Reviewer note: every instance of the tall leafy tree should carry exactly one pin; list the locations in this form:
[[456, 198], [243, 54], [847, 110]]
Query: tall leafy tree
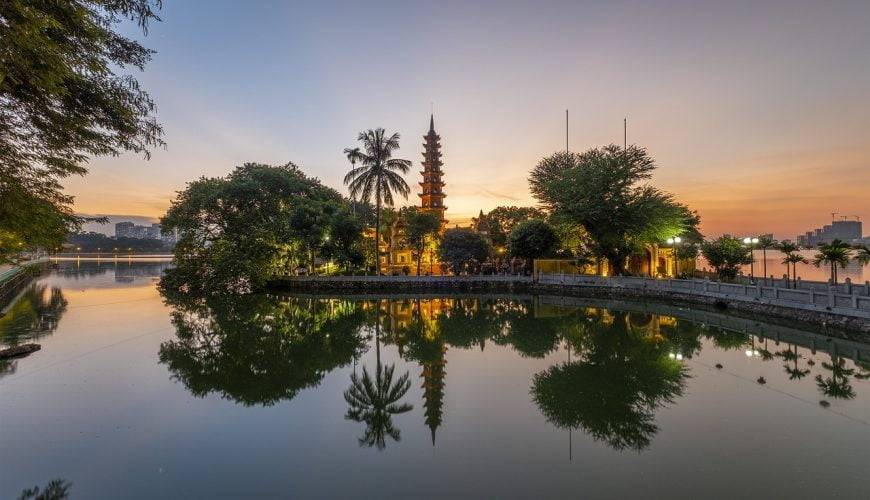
[[379, 174], [834, 254], [420, 227], [603, 191], [239, 231], [63, 101]]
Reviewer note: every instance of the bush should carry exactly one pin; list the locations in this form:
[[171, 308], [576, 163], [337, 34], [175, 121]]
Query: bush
[[726, 254]]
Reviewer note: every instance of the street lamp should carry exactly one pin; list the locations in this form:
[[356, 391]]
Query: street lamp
[[751, 242], [673, 242]]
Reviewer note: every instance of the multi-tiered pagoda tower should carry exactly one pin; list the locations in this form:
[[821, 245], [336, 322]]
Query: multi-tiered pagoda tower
[[432, 196]]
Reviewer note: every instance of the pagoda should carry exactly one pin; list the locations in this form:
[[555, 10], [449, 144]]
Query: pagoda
[[432, 196]]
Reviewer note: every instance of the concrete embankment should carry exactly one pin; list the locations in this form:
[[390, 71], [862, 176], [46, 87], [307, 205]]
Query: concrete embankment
[[708, 295]]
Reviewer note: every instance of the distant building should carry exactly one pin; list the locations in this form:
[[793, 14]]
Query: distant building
[[124, 229], [845, 230], [129, 230]]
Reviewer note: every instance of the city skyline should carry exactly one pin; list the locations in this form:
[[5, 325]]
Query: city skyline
[[756, 114]]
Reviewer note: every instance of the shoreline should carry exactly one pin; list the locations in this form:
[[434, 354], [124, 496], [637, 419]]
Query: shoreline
[[846, 325]]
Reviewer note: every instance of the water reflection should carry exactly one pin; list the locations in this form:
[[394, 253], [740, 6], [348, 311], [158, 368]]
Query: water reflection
[[620, 367], [258, 351], [56, 489], [611, 392], [35, 313]]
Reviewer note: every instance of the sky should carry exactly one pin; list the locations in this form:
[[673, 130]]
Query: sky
[[757, 112]]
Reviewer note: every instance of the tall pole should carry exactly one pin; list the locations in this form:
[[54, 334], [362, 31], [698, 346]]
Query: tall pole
[[566, 137], [625, 133]]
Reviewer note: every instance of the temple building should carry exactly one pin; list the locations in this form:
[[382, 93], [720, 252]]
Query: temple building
[[432, 195], [396, 257]]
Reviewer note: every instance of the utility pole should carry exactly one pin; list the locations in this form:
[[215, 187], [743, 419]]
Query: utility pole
[[566, 135], [625, 133]]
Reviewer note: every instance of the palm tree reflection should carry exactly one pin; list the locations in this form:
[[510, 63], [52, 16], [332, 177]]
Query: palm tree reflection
[[837, 385], [374, 402]]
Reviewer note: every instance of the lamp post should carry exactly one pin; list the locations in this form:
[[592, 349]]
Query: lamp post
[[751, 242], [673, 242]]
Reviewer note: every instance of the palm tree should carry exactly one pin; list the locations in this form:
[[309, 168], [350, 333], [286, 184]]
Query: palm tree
[[378, 175], [765, 242], [862, 254], [791, 257], [835, 253], [352, 155]]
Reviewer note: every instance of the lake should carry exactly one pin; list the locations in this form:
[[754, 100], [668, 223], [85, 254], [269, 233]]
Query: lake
[[137, 395]]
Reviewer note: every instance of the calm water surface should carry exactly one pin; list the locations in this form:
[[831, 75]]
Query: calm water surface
[[134, 395]]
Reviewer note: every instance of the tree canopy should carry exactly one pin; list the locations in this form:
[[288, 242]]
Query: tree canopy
[[62, 102], [498, 223], [237, 232], [532, 239], [420, 226], [602, 191], [463, 249], [726, 254]]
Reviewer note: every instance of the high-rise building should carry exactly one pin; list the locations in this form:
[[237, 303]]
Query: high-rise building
[[845, 230], [129, 230], [124, 229], [432, 195]]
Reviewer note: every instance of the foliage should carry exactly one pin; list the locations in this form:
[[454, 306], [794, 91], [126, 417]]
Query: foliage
[[835, 253], [498, 223], [61, 102], [420, 227], [532, 239], [463, 249], [235, 233], [600, 191], [98, 242], [379, 174], [862, 255], [726, 254], [257, 351], [28, 221]]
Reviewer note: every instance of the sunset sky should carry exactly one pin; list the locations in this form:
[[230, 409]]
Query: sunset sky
[[758, 113]]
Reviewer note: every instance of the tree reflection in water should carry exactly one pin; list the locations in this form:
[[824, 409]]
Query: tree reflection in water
[[374, 402], [256, 350], [837, 385], [35, 314], [622, 367], [613, 390], [56, 489]]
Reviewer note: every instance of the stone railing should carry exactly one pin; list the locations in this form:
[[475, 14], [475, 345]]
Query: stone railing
[[410, 279], [832, 300]]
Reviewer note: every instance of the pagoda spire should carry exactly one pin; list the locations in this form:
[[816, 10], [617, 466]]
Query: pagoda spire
[[432, 188]]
